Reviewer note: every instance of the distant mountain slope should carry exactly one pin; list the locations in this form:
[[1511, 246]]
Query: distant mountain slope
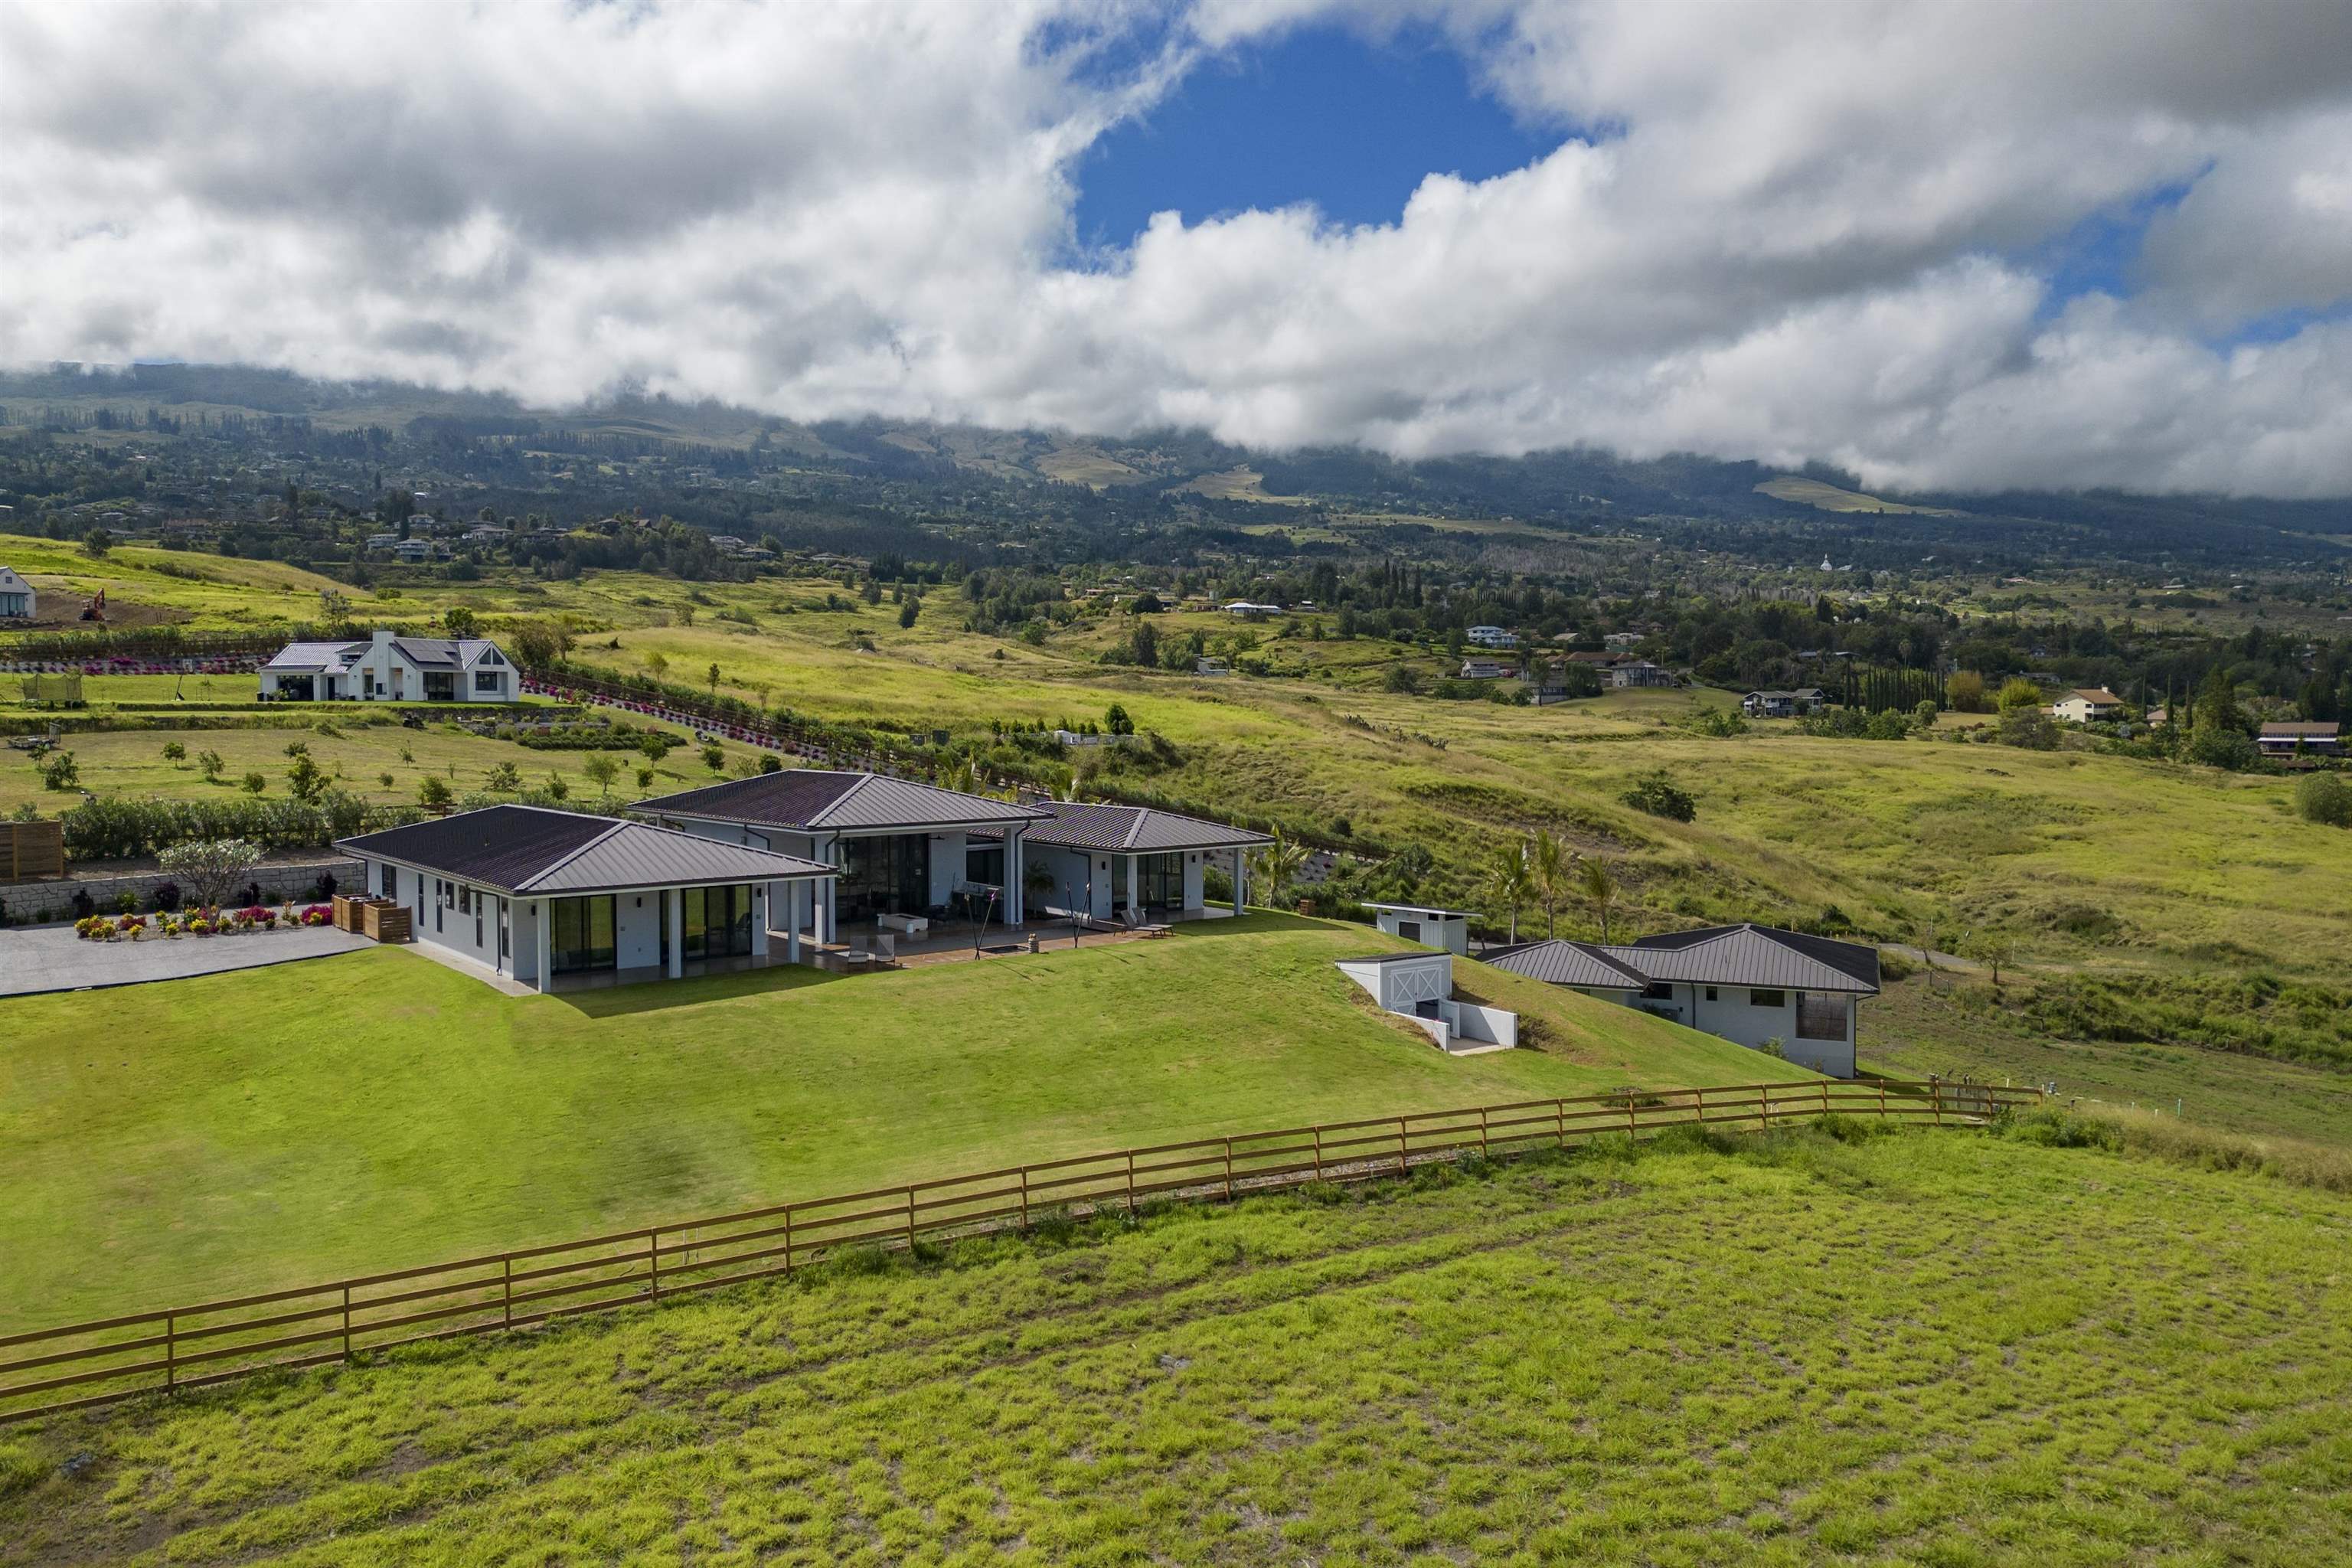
[[1575, 488]]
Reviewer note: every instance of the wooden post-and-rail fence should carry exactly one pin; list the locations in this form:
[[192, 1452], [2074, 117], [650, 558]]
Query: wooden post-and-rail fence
[[51, 1370]]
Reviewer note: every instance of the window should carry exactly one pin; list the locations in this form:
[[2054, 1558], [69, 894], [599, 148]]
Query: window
[[465, 899], [984, 866], [1659, 991], [1409, 930], [1710, 992], [1820, 1017], [718, 922], [489, 681], [1768, 998]]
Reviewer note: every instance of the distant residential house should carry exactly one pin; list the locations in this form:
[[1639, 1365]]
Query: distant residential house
[[383, 540], [2082, 707], [1246, 607], [1206, 664], [414, 551], [2156, 716], [486, 533], [725, 543], [1492, 636], [389, 668], [2286, 740], [1622, 642], [1783, 704], [1756, 985], [1640, 672], [16, 597], [1485, 669]]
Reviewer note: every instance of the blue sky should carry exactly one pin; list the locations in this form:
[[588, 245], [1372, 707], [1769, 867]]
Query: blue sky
[[1319, 115]]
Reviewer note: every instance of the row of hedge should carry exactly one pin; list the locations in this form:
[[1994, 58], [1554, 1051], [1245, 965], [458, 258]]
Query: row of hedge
[[114, 828]]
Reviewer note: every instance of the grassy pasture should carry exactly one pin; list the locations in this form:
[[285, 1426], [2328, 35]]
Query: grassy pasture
[[1934, 1349], [205, 1137]]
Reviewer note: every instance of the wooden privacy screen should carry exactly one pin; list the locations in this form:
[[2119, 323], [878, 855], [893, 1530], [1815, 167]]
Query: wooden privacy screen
[[31, 850], [189, 1347]]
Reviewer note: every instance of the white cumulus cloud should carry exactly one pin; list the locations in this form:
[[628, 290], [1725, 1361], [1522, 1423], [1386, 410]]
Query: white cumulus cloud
[[1774, 230]]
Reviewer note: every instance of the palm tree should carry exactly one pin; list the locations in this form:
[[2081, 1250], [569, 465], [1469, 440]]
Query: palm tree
[[1508, 884], [1278, 865], [1548, 870], [1593, 880]]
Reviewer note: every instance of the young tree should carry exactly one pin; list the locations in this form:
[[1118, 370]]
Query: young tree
[[306, 780], [503, 779], [433, 793], [1116, 722], [602, 770], [209, 867], [711, 675], [1278, 865], [61, 771], [2019, 693], [210, 764], [174, 753], [655, 663], [1594, 881], [909, 611], [1547, 861], [458, 621], [1509, 885]]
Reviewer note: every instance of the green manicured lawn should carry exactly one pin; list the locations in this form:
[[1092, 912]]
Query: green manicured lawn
[[199, 1138], [1935, 1349]]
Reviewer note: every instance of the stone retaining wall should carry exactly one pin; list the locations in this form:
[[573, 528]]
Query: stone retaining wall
[[50, 902]]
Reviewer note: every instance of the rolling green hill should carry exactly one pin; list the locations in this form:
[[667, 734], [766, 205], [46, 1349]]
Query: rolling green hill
[[1932, 1349]]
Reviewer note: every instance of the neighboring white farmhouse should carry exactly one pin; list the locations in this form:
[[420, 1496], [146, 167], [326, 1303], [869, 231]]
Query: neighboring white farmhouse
[[1746, 983], [1492, 636], [1485, 669], [15, 596], [1420, 987], [2080, 706], [389, 668]]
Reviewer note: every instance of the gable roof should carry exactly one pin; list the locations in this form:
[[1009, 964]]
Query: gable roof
[[2101, 695], [1568, 963], [527, 850], [1134, 829], [803, 799], [13, 584], [1751, 954], [2289, 730], [424, 653]]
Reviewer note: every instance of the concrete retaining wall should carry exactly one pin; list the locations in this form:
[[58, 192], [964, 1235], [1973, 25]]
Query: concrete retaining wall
[[43, 903]]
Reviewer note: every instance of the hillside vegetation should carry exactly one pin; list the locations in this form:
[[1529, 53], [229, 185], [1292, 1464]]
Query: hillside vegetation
[[176, 1142], [1936, 1349]]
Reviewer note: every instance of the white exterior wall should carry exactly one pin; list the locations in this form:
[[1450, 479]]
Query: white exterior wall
[[1734, 1017], [947, 864], [1452, 935], [636, 928], [1196, 862]]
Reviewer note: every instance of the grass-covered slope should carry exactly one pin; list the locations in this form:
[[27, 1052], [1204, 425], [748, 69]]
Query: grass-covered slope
[[178, 1142], [1934, 1348]]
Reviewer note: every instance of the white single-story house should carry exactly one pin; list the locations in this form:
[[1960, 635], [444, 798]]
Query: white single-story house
[[1250, 607], [389, 668], [898, 847], [1420, 987], [1492, 636], [2080, 706], [1448, 928], [1485, 669], [1750, 984], [538, 895], [2288, 739], [1131, 862], [1783, 704], [16, 597]]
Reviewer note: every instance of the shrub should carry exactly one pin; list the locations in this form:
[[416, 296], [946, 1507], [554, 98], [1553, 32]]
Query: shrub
[[174, 752], [60, 771], [127, 902], [770, 763], [432, 791], [2218, 747], [1657, 793], [255, 784], [713, 757], [2324, 799], [210, 867], [2028, 728]]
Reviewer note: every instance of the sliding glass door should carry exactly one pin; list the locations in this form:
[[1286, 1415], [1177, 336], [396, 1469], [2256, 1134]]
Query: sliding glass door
[[718, 922], [580, 936]]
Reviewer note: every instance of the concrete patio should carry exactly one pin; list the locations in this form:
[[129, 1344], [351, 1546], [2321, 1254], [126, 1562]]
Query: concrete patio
[[51, 958]]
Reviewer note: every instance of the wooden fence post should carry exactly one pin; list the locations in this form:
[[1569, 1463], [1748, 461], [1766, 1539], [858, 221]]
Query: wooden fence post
[[788, 1239], [1130, 1181], [910, 1219], [1482, 1132], [1318, 1152], [171, 1351], [508, 1259], [1229, 1167], [347, 1322], [1560, 1121], [1024, 1197], [653, 1262], [1399, 1145]]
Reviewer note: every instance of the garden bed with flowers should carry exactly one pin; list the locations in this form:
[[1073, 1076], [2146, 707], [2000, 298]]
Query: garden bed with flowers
[[201, 922]]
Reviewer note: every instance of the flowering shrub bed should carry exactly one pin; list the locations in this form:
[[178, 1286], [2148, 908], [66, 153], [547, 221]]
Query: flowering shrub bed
[[201, 922]]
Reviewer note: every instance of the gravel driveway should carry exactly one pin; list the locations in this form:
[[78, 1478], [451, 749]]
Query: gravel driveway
[[51, 958]]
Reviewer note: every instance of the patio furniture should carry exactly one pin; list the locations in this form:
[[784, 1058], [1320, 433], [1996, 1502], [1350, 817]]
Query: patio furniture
[[908, 925]]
